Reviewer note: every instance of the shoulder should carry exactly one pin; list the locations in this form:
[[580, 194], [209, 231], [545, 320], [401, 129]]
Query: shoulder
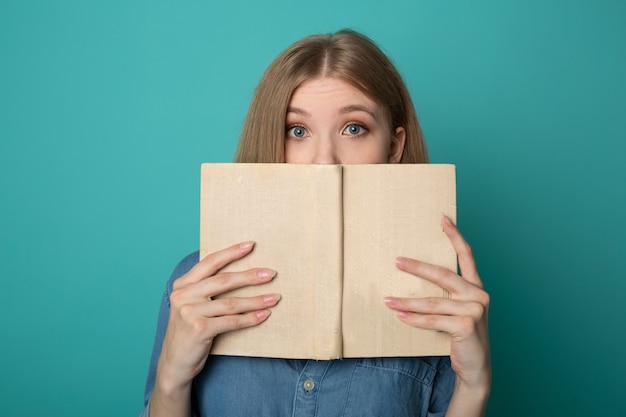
[[186, 264], [183, 267]]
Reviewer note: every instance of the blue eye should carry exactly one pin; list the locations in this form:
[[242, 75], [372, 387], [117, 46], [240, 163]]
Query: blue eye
[[354, 130], [297, 132]]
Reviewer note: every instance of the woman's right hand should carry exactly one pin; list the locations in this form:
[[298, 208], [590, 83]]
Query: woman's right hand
[[196, 317]]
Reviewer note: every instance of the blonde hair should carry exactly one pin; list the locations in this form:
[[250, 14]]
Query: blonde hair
[[347, 55]]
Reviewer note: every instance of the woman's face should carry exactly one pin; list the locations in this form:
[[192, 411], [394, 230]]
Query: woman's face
[[331, 122]]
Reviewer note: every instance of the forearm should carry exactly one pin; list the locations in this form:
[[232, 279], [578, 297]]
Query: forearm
[[468, 401]]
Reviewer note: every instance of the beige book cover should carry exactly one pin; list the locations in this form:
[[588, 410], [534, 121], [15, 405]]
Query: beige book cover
[[332, 233]]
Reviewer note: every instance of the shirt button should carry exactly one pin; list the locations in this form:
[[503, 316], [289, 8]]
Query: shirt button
[[308, 385]]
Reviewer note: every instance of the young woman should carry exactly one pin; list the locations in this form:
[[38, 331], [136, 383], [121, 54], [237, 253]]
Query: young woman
[[327, 99]]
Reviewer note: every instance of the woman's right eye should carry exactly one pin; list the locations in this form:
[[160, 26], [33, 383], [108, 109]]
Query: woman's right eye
[[297, 132]]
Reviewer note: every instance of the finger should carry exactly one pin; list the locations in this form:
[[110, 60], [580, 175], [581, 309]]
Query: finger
[[438, 275], [213, 262], [455, 326], [437, 306], [228, 281], [464, 252], [229, 306], [219, 284], [225, 324]]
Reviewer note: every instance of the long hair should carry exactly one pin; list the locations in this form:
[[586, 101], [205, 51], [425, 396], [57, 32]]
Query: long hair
[[346, 55]]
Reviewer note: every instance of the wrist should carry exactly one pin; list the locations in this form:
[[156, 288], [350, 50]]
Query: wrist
[[170, 389], [470, 399], [477, 390], [169, 381], [479, 383]]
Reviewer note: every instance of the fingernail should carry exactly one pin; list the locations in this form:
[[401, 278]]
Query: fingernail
[[246, 245], [262, 314], [402, 261], [403, 314], [271, 298], [265, 274], [390, 301], [447, 220]]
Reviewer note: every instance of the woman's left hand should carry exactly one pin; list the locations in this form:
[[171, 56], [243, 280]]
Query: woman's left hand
[[463, 316]]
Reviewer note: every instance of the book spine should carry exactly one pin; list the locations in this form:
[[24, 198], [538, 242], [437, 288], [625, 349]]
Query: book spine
[[328, 259]]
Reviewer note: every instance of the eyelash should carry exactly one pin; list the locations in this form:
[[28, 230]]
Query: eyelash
[[363, 131], [290, 127]]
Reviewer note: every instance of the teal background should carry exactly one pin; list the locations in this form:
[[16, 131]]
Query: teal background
[[108, 108]]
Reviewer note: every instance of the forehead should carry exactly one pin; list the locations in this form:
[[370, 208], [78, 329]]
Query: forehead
[[330, 90]]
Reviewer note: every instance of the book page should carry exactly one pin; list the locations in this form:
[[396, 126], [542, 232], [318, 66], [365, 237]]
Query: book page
[[391, 211], [293, 213]]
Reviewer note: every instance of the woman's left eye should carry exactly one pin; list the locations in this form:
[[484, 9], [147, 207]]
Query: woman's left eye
[[354, 130]]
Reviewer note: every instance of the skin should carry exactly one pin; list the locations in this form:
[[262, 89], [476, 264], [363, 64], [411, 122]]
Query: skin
[[331, 122], [328, 122]]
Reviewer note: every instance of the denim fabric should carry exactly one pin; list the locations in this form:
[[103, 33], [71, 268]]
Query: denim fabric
[[246, 386]]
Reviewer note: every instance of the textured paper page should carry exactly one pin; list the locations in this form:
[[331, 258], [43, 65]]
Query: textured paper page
[[391, 211], [293, 213]]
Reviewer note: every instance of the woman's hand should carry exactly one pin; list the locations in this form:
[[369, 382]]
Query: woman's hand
[[196, 318], [463, 316]]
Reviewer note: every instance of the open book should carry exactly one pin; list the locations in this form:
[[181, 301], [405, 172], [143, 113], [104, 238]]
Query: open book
[[332, 233]]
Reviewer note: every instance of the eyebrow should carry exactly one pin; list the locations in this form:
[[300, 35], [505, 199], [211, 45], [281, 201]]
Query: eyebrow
[[343, 110], [357, 107], [298, 111]]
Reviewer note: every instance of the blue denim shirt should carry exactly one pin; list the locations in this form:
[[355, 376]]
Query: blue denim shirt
[[247, 386]]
